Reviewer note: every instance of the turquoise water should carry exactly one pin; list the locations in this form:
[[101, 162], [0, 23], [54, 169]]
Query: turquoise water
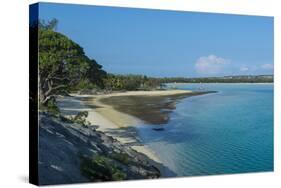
[[226, 132]]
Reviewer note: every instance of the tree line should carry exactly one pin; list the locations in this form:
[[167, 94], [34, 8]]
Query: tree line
[[224, 79]]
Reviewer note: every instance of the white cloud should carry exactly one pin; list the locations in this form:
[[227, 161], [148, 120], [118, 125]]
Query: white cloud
[[267, 66], [244, 69], [211, 65]]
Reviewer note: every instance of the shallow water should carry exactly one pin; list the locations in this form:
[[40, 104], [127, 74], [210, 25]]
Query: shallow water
[[226, 132]]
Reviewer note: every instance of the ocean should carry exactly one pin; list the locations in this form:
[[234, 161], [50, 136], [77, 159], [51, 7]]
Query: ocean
[[230, 131]]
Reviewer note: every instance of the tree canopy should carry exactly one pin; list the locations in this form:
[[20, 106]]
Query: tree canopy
[[63, 64]]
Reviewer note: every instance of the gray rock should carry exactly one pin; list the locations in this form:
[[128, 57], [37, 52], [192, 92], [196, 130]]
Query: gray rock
[[62, 145]]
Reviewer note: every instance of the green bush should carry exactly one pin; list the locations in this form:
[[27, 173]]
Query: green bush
[[101, 168], [121, 157], [51, 107], [80, 118]]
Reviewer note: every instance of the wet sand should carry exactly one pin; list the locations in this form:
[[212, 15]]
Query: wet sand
[[151, 109]]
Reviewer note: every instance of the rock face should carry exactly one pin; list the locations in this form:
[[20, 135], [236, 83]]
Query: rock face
[[74, 153]]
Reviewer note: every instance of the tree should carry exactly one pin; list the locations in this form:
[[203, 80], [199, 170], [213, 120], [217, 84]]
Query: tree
[[62, 64], [95, 74], [51, 25]]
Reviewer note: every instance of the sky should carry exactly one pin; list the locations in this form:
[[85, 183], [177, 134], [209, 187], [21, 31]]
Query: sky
[[163, 43]]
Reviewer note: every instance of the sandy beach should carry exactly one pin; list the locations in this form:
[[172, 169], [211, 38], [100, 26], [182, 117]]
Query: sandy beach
[[111, 121], [122, 117]]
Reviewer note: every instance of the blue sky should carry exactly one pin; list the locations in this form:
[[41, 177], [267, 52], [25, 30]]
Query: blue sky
[[167, 43]]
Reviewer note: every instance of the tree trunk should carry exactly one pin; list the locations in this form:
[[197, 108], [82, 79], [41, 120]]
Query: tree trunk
[[42, 97]]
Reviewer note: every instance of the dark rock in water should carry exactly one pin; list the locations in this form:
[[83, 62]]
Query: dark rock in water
[[159, 129], [71, 153]]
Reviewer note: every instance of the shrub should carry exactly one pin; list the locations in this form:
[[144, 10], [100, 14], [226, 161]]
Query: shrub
[[101, 168], [121, 157], [80, 118], [51, 107]]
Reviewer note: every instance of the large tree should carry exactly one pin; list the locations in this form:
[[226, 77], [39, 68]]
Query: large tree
[[62, 64]]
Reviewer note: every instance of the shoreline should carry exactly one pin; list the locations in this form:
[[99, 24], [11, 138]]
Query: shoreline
[[122, 118], [119, 125], [98, 117], [151, 107], [116, 123]]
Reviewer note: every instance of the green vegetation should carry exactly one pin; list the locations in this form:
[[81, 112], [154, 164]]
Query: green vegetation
[[224, 79], [130, 82], [101, 168], [80, 118], [121, 157], [142, 82], [63, 65], [51, 107]]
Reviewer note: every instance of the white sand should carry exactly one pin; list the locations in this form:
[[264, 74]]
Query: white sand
[[119, 119], [148, 93]]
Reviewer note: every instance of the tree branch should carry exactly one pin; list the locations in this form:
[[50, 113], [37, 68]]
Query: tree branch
[[48, 98], [52, 89]]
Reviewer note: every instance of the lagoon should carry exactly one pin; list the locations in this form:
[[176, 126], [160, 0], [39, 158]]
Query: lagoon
[[230, 131]]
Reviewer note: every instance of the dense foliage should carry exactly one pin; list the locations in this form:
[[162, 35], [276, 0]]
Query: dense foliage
[[141, 82], [131, 82], [63, 65], [101, 168]]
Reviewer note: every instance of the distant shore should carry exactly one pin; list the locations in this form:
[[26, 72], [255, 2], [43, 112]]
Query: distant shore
[[221, 83]]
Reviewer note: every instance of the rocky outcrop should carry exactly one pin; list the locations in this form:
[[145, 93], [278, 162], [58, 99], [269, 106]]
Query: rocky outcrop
[[75, 153]]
